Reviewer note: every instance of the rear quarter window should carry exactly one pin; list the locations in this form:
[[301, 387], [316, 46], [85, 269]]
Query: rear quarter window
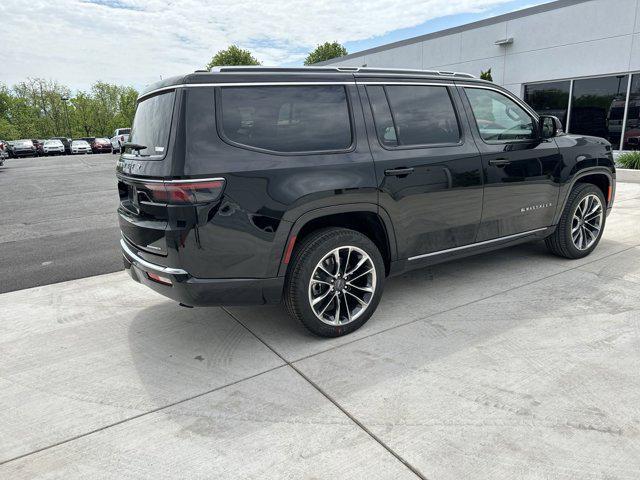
[[286, 119], [152, 123]]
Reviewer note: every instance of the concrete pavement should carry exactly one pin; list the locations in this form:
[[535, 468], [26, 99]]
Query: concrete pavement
[[516, 364]]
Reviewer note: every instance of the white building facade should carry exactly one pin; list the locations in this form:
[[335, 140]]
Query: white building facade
[[577, 59]]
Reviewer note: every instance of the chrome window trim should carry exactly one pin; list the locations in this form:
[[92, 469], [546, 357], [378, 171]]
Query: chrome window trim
[[356, 81], [149, 265], [239, 84], [404, 82], [478, 244]]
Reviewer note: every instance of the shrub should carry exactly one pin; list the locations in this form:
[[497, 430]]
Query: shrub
[[630, 160]]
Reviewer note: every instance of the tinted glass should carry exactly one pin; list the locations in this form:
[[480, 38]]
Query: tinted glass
[[498, 117], [598, 107], [549, 99], [152, 123], [423, 115], [632, 130], [287, 119], [382, 116]]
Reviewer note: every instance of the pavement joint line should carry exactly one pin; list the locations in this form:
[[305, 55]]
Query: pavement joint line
[[134, 417], [357, 422], [421, 319]]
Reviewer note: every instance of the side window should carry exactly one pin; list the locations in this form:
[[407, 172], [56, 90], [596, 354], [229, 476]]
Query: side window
[[287, 119], [498, 117], [385, 128], [423, 115]]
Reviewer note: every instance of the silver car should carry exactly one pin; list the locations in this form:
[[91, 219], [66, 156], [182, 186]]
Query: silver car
[[80, 146]]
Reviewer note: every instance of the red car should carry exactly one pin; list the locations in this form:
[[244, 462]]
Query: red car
[[101, 145]]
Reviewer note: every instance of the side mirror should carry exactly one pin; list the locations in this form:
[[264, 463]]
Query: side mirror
[[550, 126]]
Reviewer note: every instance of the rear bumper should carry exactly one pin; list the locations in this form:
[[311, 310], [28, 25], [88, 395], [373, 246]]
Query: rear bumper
[[202, 292]]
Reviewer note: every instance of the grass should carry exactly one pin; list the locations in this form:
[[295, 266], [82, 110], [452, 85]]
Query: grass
[[630, 160]]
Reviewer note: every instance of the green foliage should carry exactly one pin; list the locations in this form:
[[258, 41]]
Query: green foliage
[[233, 55], [630, 160], [35, 109], [326, 51], [486, 75]]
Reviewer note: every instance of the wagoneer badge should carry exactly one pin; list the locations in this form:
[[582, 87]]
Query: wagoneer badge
[[535, 207]]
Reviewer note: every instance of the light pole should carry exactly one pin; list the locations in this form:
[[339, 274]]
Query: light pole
[[65, 99]]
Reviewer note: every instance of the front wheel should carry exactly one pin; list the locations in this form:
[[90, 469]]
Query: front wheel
[[582, 223], [335, 281]]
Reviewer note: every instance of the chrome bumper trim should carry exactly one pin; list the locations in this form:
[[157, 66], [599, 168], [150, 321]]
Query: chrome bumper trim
[[149, 265]]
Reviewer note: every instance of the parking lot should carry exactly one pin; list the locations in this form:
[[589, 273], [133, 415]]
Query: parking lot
[[58, 219], [516, 364]]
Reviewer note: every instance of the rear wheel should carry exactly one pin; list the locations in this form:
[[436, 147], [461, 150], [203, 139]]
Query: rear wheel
[[581, 225], [335, 281]]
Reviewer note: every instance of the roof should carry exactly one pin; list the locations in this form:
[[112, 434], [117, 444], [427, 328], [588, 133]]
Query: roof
[[238, 74], [525, 12]]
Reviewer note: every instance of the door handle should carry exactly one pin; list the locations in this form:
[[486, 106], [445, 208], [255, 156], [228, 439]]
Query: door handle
[[398, 172], [499, 162]]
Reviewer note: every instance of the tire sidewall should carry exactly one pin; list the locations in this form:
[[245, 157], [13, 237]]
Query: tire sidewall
[[584, 191], [343, 239]]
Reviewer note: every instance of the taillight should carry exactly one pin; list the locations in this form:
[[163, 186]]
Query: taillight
[[185, 193]]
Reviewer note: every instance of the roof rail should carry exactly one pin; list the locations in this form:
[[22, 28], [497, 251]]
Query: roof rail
[[259, 68]]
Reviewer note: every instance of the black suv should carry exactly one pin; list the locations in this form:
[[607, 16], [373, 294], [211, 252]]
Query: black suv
[[312, 185]]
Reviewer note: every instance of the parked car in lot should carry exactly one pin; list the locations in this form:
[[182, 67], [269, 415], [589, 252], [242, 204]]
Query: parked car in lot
[[80, 146], [119, 138], [22, 148], [38, 144], [318, 184], [101, 145], [52, 147], [66, 142], [4, 152]]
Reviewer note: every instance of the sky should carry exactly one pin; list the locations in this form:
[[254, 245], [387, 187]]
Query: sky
[[137, 42]]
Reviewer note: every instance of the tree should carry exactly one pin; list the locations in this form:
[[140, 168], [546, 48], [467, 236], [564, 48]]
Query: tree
[[486, 75], [35, 109], [233, 55], [326, 51]]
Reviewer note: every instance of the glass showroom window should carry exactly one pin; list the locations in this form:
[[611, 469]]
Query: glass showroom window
[[597, 107], [549, 98], [632, 129]]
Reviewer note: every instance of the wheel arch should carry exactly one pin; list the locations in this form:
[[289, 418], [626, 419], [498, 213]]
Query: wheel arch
[[601, 177], [366, 218]]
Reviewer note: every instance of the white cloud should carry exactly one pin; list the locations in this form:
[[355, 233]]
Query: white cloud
[[78, 42]]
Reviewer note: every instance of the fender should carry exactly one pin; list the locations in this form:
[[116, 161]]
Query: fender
[[303, 219], [566, 188]]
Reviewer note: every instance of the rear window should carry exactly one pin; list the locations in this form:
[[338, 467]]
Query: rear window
[[152, 123], [286, 119], [124, 131]]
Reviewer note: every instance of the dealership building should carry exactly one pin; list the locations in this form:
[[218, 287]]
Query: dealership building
[[576, 59]]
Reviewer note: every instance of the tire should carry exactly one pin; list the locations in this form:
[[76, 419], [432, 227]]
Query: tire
[[561, 242], [368, 281]]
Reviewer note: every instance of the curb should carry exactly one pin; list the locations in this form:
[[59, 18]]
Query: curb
[[627, 175]]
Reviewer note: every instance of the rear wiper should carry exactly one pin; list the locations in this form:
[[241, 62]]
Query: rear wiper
[[133, 146]]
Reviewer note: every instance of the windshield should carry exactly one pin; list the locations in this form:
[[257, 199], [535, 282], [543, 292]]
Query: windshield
[[79, 143], [53, 142], [152, 123]]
